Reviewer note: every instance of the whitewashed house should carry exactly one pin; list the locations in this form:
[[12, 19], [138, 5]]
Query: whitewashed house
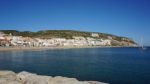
[[94, 35]]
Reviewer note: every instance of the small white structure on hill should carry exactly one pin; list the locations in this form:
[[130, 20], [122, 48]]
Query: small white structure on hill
[[94, 35]]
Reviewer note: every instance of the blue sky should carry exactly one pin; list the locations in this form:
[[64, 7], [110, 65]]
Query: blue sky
[[130, 18]]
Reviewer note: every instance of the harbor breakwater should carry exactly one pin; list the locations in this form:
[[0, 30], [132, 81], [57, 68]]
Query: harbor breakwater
[[10, 77]]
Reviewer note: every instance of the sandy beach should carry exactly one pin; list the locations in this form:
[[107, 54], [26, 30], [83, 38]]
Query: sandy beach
[[56, 47], [22, 48], [43, 48]]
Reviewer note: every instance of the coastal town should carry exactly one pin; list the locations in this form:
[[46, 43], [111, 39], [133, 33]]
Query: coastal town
[[10, 40]]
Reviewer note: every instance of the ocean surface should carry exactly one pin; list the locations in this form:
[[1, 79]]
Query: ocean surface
[[110, 65]]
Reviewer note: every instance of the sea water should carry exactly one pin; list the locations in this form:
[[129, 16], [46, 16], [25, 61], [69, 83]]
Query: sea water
[[110, 65]]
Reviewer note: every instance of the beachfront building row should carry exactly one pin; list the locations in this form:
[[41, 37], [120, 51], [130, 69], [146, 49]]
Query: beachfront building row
[[9, 40]]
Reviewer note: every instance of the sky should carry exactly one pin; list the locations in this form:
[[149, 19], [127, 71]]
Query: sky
[[129, 18]]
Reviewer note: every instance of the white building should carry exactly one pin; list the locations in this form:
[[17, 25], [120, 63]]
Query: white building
[[1, 34], [94, 35], [78, 38]]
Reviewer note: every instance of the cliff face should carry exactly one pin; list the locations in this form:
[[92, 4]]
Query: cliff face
[[123, 43], [9, 77]]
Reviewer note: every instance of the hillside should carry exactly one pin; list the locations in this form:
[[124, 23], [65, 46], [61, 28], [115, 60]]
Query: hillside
[[68, 34]]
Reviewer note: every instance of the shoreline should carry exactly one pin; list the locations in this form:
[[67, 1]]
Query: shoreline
[[58, 47], [43, 48]]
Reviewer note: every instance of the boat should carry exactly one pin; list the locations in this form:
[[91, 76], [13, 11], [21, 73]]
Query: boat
[[142, 46]]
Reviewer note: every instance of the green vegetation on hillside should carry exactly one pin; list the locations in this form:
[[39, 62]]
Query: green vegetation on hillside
[[68, 34]]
